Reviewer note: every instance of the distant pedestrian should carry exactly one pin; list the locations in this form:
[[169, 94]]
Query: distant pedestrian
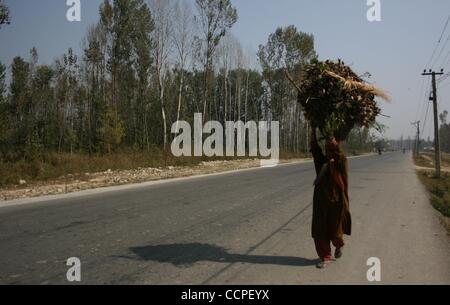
[[331, 210]]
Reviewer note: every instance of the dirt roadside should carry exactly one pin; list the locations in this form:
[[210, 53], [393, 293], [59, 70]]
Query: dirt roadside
[[86, 181]]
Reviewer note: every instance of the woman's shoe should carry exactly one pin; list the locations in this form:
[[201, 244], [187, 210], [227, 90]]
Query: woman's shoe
[[323, 264], [338, 253]]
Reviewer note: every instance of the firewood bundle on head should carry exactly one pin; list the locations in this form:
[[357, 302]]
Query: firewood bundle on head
[[335, 100]]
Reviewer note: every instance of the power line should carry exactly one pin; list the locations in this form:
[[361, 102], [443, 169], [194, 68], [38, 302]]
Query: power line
[[442, 50], [442, 78], [434, 61], [421, 94], [444, 82], [445, 27], [439, 41]]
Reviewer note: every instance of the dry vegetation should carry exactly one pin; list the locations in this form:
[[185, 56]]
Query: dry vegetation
[[54, 166], [426, 160], [57, 174], [439, 188]]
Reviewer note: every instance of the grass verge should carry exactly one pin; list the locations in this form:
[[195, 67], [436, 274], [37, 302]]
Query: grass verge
[[439, 188]]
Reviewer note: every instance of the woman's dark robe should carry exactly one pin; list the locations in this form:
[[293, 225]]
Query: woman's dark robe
[[331, 209]]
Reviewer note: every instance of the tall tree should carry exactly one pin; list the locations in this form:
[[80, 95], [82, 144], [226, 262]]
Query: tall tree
[[183, 30], [95, 47], [163, 16], [6, 117], [215, 17], [66, 99], [142, 63], [128, 24], [43, 98], [224, 62], [21, 103], [286, 48]]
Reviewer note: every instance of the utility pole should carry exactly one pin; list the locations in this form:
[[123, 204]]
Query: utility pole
[[417, 146], [437, 142]]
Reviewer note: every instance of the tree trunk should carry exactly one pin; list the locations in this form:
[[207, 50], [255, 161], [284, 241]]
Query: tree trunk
[[180, 93], [225, 85], [239, 98], [246, 97], [163, 113]]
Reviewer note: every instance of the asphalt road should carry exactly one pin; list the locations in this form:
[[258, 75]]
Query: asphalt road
[[249, 227]]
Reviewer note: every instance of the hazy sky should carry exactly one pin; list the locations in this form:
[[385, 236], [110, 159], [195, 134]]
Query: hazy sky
[[395, 51]]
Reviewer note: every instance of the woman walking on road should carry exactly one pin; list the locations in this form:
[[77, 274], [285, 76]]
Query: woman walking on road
[[331, 210]]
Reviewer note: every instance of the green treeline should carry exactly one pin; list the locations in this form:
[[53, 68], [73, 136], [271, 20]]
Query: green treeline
[[143, 66]]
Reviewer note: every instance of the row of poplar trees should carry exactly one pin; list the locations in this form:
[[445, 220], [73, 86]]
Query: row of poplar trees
[[144, 66]]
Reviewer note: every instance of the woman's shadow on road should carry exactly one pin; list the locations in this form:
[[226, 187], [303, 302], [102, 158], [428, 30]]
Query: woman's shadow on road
[[188, 254]]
